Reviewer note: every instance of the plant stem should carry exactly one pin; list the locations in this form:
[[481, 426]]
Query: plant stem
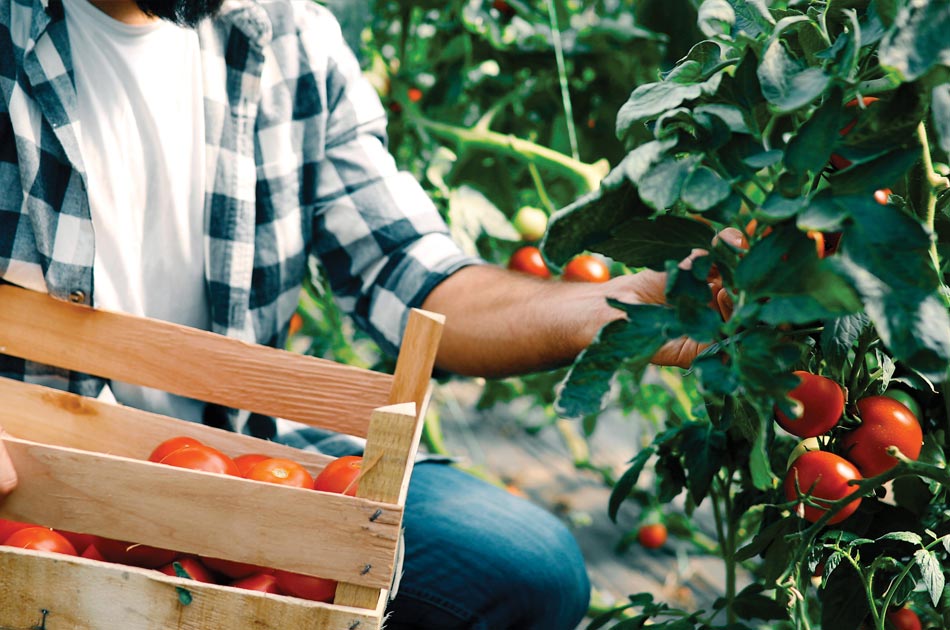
[[933, 181], [562, 79], [585, 177]]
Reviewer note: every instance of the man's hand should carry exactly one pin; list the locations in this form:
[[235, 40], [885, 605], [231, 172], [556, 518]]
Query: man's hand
[[502, 323], [7, 474]]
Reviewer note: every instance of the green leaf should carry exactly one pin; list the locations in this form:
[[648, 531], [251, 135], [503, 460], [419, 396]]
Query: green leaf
[[660, 187], [785, 83], [704, 453], [628, 482], [823, 213], [650, 100], [810, 148], [777, 206], [704, 188], [762, 476], [918, 40], [750, 603], [897, 285], [752, 17], [839, 336], [907, 537], [931, 573], [687, 291], [940, 115], [716, 17], [881, 172], [626, 343], [844, 603], [650, 243]]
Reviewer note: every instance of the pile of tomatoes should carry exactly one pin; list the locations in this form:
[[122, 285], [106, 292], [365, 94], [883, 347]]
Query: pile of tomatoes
[[846, 455], [339, 476]]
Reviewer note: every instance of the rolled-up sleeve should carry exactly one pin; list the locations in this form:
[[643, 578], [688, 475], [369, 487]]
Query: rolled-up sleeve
[[380, 239]]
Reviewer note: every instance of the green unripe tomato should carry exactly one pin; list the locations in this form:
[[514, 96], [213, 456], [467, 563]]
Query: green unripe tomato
[[531, 223]]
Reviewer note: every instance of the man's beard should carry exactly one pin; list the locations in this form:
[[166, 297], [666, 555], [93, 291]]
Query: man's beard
[[182, 12]]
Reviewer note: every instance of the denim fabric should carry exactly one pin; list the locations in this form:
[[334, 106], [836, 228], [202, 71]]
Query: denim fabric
[[479, 558]]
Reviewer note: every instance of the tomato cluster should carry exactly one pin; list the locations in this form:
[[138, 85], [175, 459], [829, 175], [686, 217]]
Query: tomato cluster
[[581, 268], [826, 476], [339, 476]]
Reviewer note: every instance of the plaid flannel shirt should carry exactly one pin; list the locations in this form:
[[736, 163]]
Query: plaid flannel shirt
[[297, 169]]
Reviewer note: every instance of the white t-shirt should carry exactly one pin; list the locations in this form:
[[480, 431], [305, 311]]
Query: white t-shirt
[[141, 115]]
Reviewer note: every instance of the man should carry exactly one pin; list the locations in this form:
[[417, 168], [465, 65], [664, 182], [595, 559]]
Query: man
[[208, 151]]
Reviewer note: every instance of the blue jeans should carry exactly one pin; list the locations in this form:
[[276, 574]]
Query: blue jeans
[[479, 558]]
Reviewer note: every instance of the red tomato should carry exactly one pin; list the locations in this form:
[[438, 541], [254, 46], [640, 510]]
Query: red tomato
[[134, 554], [193, 567], [40, 539], [339, 476], [824, 477], [92, 552], [305, 586], [200, 457], [281, 471], [821, 403], [414, 94], [903, 619], [882, 196], [528, 259], [263, 582], [503, 7], [246, 462], [8, 527], [586, 268], [171, 445], [231, 569], [79, 541], [652, 535], [884, 422]]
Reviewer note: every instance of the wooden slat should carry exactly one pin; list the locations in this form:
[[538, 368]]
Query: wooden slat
[[305, 531], [82, 594], [413, 374], [188, 362], [390, 450], [83, 423]]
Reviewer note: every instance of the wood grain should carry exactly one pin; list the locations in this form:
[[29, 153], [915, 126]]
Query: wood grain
[[41, 414], [390, 450], [189, 362], [82, 594], [323, 534]]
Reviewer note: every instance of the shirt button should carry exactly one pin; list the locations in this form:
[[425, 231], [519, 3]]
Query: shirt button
[[78, 297]]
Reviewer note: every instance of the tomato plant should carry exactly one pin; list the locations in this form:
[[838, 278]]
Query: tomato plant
[[586, 268], [652, 535], [885, 422], [820, 403], [204, 458], [529, 260], [282, 472], [340, 476], [40, 539]]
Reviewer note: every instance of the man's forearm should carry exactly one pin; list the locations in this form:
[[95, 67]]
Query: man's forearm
[[500, 322]]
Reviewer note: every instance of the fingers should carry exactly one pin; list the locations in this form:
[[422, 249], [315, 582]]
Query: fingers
[[8, 479], [732, 236]]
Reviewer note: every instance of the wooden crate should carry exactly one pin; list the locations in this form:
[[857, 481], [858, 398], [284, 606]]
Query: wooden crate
[[81, 465]]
